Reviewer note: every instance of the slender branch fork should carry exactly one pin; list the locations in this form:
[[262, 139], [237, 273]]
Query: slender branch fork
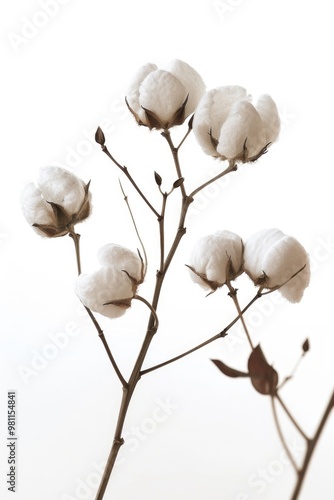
[[310, 442], [219, 335]]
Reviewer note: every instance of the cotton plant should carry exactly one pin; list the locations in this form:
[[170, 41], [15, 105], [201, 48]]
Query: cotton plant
[[234, 130], [56, 203]]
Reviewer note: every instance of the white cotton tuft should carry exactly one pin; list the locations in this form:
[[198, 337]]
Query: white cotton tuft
[[212, 112], [268, 111], [62, 187], [133, 90], [34, 207], [272, 258], [215, 259], [163, 94], [192, 81], [242, 128], [105, 285]]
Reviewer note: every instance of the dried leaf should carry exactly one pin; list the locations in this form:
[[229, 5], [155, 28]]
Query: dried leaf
[[152, 119], [60, 214], [179, 115], [87, 188], [214, 141], [123, 303], [263, 376], [262, 152], [51, 231], [227, 370], [84, 211], [210, 284], [138, 120]]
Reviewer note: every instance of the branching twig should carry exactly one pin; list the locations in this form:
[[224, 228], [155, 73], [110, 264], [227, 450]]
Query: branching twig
[[293, 420], [219, 335]]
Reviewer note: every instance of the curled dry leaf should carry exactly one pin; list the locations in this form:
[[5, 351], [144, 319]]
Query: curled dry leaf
[[227, 370]]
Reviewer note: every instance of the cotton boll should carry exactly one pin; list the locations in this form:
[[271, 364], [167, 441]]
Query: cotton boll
[[119, 257], [163, 98], [227, 125], [215, 259], [273, 259], [34, 207], [58, 202], [105, 285]]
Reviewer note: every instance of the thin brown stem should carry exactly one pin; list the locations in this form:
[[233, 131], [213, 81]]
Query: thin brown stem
[[219, 335], [232, 167], [184, 138], [311, 447], [76, 240], [129, 176], [146, 302], [175, 153], [161, 221], [293, 420], [117, 442], [180, 356], [134, 225], [282, 438], [293, 372], [233, 295]]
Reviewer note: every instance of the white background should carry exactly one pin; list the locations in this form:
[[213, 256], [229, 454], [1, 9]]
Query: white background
[[64, 73]]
